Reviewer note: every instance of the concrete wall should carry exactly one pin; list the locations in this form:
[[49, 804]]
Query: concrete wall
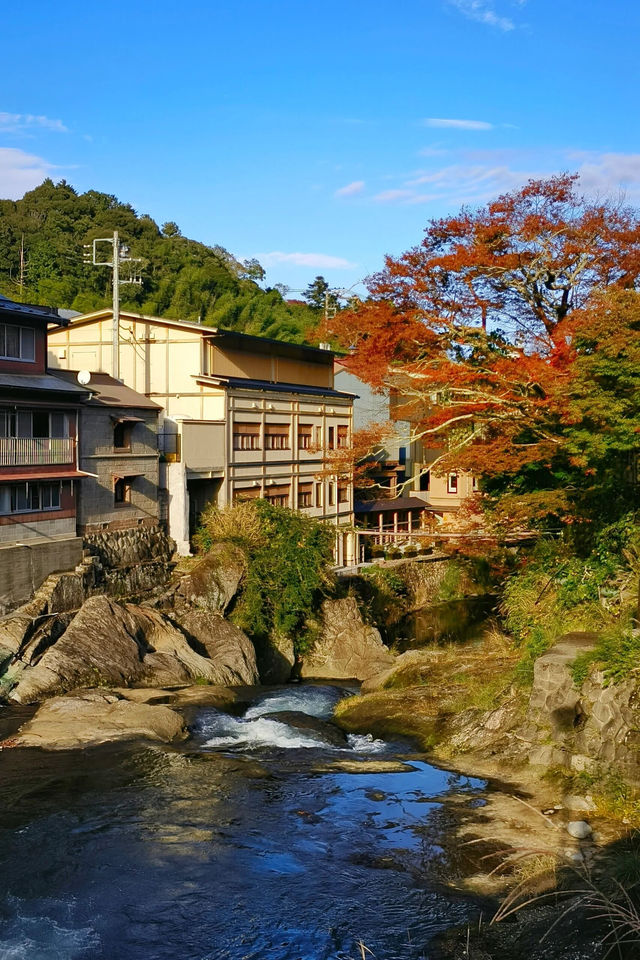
[[24, 569], [35, 529]]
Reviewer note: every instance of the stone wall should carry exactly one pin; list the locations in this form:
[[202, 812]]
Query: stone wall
[[132, 561], [24, 568]]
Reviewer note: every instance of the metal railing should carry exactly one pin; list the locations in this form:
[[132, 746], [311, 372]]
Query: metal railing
[[36, 451]]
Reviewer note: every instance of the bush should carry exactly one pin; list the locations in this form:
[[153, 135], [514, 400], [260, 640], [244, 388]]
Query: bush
[[288, 557]]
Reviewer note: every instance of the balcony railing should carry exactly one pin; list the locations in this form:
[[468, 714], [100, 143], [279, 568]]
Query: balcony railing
[[36, 451]]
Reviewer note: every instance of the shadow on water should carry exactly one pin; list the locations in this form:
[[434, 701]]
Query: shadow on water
[[451, 621], [254, 840]]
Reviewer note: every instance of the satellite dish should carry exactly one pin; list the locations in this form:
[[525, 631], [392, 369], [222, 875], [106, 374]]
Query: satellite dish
[[84, 377]]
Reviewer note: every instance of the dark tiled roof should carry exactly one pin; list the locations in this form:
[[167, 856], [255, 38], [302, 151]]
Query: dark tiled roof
[[42, 382], [108, 392], [29, 310], [386, 506]]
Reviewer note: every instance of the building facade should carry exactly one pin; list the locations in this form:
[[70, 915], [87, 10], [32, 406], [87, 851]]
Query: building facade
[[39, 472], [242, 417], [118, 453]]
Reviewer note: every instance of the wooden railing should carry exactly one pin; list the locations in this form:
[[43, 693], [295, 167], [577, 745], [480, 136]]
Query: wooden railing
[[36, 451]]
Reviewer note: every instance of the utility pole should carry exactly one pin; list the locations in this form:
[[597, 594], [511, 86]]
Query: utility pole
[[119, 255], [21, 281]]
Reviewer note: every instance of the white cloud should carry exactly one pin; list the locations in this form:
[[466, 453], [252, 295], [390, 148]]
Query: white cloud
[[20, 171], [13, 122], [482, 11], [404, 196], [475, 177], [351, 189], [452, 124], [321, 260], [606, 173]]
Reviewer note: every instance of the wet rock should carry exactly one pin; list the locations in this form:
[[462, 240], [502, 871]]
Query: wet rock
[[579, 829], [326, 731], [96, 717], [347, 648]]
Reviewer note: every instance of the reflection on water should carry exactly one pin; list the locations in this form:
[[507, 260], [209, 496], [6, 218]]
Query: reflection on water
[[227, 850]]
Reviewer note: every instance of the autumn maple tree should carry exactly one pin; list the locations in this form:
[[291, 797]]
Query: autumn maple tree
[[483, 334]]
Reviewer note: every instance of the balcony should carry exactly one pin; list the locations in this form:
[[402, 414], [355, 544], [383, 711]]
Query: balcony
[[36, 451]]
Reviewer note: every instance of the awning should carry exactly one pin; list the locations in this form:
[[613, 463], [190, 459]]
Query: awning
[[126, 476], [32, 477], [127, 419]]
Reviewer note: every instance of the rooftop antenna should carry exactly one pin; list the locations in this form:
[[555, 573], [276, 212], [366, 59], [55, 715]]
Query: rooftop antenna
[[120, 254]]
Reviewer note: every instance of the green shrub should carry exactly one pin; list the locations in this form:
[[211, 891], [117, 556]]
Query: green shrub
[[288, 558], [617, 654]]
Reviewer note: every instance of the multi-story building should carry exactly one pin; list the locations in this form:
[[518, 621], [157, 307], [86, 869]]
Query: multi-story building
[[118, 453], [411, 493], [38, 456], [242, 416]]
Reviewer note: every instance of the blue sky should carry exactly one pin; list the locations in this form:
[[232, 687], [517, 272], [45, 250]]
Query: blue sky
[[317, 137]]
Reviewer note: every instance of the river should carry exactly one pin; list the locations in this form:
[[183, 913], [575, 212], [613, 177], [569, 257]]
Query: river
[[254, 839]]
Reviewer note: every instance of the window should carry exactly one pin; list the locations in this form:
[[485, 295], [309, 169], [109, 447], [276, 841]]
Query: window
[[343, 437], [122, 490], [33, 423], [474, 484], [122, 436], [452, 483], [305, 433], [305, 495], [247, 493], [278, 494], [425, 480], [318, 494], [331, 490], [343, 493], [318, 437], [276, 436], [246, 436], [17, 343], [332, 441], [29, 498]]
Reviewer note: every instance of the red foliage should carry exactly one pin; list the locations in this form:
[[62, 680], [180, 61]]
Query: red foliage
[[471, 329]]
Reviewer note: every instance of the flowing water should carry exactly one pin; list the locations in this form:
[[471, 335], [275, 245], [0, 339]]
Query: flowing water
[[254, 841]]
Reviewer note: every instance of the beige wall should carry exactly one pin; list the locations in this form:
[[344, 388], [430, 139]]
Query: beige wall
[[163, 362], [256, 366]]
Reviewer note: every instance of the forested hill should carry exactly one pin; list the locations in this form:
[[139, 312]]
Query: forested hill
[[182, 278]]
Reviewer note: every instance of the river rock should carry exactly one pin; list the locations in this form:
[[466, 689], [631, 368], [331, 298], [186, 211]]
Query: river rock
[[225, 644], [579, 829], [126, 645], [348, 648], [276, 658], [407, 669], [326, 731], [96, 717], [214, 581]]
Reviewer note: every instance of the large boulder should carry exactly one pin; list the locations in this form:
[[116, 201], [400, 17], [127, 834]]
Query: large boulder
[[214, 580], [225, 644], [276, 658], [347, 648], [114, 644], [96, 717], [103, 644]]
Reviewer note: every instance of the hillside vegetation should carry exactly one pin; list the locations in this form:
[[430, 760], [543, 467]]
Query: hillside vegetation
[[182, 278]]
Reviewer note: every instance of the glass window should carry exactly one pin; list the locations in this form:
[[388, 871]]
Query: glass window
[[452, 483], [17, 343]]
